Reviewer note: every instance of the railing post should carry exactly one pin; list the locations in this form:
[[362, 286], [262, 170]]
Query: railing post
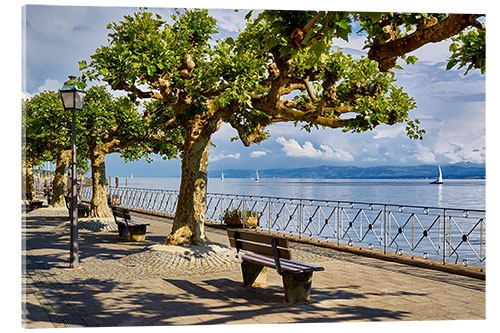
[[269, 214], [243, 211], [300, 218], [338, 223], [385, 229], [444, 236]]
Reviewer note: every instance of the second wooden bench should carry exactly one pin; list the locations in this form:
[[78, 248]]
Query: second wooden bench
[[128, 228]]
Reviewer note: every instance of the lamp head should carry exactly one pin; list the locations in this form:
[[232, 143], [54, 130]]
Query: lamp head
[[72, 95]]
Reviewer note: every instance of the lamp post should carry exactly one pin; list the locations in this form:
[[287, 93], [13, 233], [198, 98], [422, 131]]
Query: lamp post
[[73, 97]]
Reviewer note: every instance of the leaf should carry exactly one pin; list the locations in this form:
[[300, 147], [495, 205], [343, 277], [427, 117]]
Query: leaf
[[451, 63], [343, 33], [82, 65], [248, 16], [151, 70], [270, 43], [344, 24], [318, 48], [411, 59]]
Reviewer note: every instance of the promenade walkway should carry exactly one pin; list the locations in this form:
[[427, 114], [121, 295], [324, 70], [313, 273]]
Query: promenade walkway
[[122, 283]]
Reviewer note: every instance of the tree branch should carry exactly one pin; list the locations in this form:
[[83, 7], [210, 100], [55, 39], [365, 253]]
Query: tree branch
[[385, 54], [310, 92]]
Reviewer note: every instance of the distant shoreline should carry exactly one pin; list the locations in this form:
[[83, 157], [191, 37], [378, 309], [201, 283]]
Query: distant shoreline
[[450, 171], [466, 171]]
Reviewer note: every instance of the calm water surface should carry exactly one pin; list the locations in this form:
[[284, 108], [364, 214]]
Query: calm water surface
[[456, 193]]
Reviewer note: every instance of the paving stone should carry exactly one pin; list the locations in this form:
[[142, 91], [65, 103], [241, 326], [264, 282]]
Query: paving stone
[[125, 284]]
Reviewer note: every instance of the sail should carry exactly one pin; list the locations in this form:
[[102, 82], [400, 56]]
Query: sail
[[439, 179], [222, 176], [257, 176]]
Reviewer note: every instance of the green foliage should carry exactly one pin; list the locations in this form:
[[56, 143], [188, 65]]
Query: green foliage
[[229, 213], [468, 50], [281, 67], [48, 129], [160, 139], [114, 124]]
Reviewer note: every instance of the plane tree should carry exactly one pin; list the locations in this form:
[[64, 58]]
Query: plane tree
[[281, 68], [111, 125], [47, 128]]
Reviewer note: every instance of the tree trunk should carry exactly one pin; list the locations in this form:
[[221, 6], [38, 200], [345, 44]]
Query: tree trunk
[[189, 223], [99, 203], [59, 185], [28, 182]]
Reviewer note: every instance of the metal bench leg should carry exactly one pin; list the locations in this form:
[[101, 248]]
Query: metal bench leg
[[138, 233], [123, 232], [253, 274], [297, 287]]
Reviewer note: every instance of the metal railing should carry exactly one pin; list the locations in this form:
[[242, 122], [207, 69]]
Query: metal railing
[[449, 234]]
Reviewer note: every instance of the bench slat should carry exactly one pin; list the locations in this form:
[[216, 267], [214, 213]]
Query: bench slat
[[265, 249], [136, 223], [314, 267], [258, 237], [269, 262], [301, 266]]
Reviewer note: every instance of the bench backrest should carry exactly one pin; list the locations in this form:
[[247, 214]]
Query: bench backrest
[[259, 243], [124, 213]]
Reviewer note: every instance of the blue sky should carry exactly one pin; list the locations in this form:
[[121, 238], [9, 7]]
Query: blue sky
[[450, 106]]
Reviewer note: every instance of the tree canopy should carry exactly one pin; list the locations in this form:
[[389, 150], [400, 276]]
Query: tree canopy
[[282, 67]]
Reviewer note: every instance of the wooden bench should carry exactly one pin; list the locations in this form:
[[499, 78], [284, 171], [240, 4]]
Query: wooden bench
[[264, 250], [128, 228], [83, 209]]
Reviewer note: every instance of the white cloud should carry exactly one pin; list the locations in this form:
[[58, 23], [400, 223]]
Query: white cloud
[[456, 152], [51, 85], [433, 52], [424, 154], [388, 132], [219, 157], [294, 149], [258, 153]]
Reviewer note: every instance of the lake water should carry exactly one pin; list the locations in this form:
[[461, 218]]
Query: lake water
[[417, 230], [454, 193]]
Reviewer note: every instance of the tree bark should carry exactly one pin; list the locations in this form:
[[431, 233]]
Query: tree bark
[[189, 223], [28, 182], [59, 185], [385, 54], [99, 203]]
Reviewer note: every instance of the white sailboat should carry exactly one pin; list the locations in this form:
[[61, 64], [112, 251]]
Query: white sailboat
[[439, 179], [222, 176], [257, 179], [131, 176]]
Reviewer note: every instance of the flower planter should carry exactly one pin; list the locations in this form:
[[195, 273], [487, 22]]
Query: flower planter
[[237, 222], [252, 222], [233, 222]]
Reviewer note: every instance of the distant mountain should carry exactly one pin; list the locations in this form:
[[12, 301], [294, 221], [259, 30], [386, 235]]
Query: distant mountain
[[465, 170]]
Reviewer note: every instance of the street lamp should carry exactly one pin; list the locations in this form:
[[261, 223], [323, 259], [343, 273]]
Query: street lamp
[[72, 97]]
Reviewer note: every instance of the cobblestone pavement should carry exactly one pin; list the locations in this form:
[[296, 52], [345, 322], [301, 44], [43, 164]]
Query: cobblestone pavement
[[125, 283]]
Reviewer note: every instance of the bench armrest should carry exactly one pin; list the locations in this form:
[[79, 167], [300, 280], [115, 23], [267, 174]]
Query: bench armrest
[[276, 256]]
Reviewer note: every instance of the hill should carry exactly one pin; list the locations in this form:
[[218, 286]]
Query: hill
[[451, 171]]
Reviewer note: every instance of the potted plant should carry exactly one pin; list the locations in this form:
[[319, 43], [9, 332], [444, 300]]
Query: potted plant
[[253, 219], [234, 218]]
